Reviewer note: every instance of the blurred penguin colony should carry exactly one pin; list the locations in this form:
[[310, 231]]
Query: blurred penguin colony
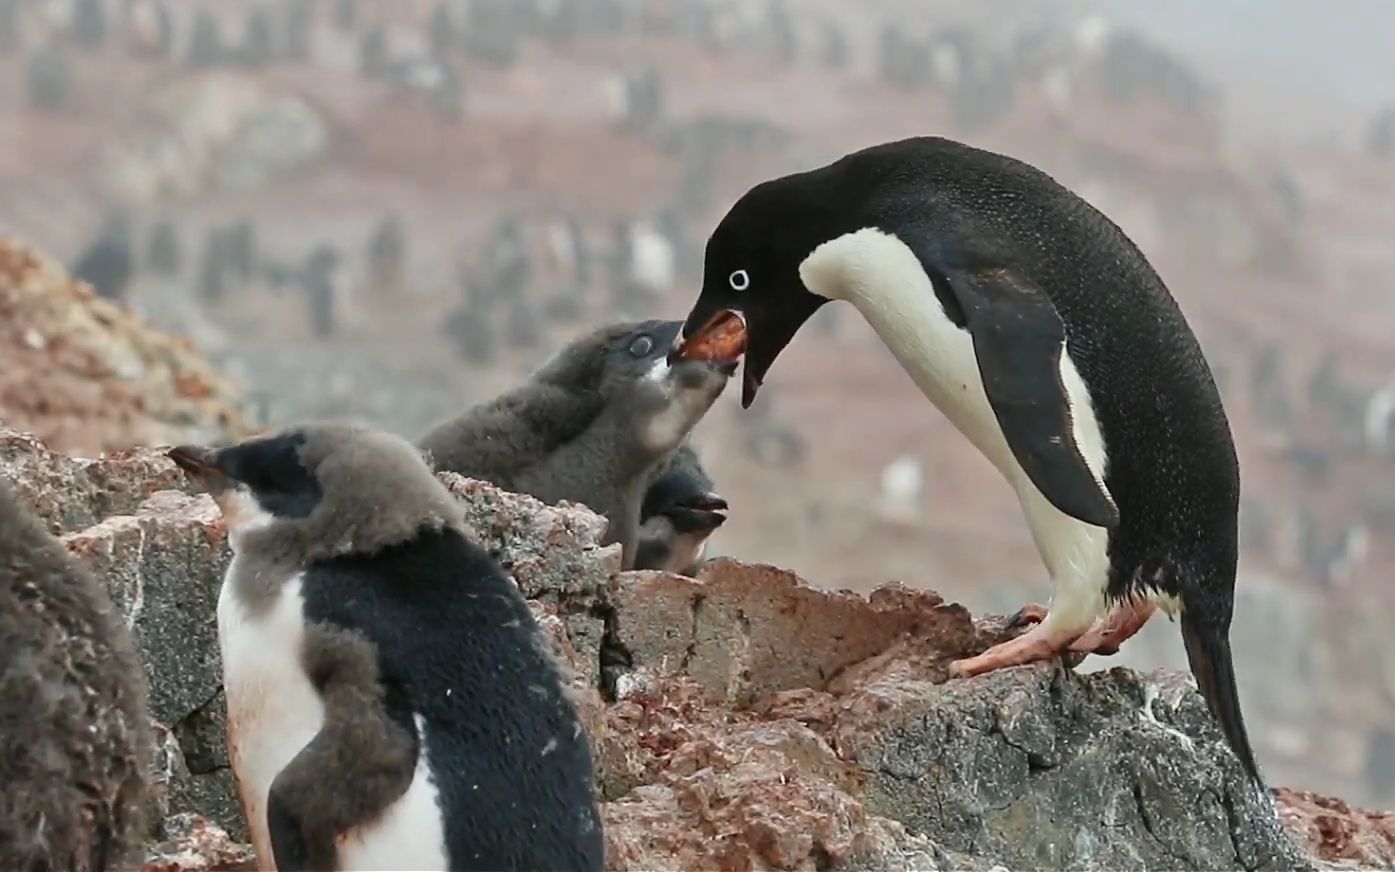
[[240, 98]]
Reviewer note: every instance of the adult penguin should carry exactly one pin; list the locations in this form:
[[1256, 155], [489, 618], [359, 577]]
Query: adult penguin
[[1041, 331]]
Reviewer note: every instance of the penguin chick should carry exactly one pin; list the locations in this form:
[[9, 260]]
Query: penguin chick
[[590, 427], [75, 739], [391, 702], [680, 511]]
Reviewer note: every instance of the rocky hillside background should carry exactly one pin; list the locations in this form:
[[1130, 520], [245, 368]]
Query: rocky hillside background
[[742, 719]]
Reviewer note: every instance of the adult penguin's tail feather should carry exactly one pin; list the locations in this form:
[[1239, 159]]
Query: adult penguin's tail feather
[[1208, 653]]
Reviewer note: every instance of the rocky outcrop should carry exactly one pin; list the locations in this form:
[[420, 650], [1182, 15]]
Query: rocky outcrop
[[741, 719], [87, 376]]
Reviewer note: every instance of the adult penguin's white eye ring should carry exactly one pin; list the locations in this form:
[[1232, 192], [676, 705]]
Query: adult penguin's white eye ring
[[739, 280]]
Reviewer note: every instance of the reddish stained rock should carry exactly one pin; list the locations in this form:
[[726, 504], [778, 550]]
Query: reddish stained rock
[[193, 844], [746, 631], [748, 795], [1334, 831]]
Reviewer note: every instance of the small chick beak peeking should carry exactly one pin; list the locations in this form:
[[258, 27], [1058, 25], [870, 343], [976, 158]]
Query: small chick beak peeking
[[200, 465], [722, 341], [708, 502], [700, 514]]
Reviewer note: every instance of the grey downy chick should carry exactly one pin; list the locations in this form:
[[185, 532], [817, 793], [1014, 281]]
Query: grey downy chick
[[75, 742], [391, 701], [591, 426]]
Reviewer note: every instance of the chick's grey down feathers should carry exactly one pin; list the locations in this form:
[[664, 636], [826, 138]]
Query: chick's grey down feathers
[[75, 739], [524, 426], [579, 428], [379, 500]]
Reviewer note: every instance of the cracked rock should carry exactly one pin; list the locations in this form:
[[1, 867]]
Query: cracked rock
[[164, 566], [746, 631], [551, 551]]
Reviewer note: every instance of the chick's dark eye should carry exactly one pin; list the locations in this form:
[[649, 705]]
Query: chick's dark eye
[[641, 346]]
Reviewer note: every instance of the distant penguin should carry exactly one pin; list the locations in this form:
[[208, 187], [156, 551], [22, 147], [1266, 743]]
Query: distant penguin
[[9, 28], [644, 266], [1378, 767], [567, 251], [784, 42], [591, 426], [1336, 562], [89, 23], [833, 44], [391, 701], [75, 742], [241, 239], [472, 335], [636, 98], [1378, 422], [441, 31], [679, 513], [346, 15], [387, 253], [163, 255], [48, 78], [107, 264], [149, 28], [899, 494], [206, 47], [507, 266], [213, 266], [299, 21], [1380, 137], [493, 32], [522, 328], [1034, 324], [257, 46], [373, 61], [319, 279], [434, 79]]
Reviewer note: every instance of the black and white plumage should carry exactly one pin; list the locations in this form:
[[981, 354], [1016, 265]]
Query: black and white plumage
[[391, 701], [591, 426], [75, 743], [1040, 330], [679, 513]]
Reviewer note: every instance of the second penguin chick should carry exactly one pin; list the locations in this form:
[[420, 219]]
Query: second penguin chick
[[679, 513], [75, 741], [591, 426], [392, 704]]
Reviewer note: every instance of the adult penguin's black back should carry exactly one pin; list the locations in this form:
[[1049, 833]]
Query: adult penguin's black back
[[999, 239]]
